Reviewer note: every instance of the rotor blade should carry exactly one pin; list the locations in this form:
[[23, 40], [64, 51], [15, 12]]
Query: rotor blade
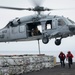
[[47, 9], [12, 8], [15, 8], [37, 2]]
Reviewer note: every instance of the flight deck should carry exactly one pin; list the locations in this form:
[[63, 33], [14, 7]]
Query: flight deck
[[57, 70]]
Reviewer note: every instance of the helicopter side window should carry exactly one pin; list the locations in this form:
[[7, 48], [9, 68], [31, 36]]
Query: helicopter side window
[[48, 24], [61, 22]]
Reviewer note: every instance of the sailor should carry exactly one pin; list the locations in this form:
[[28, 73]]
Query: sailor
[[62, 59], [69, 56]]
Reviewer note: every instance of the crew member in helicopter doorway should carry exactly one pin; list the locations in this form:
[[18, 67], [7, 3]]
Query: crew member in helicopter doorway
[[62, 59]]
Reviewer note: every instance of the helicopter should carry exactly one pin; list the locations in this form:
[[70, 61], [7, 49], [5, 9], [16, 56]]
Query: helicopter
[[36, 27]]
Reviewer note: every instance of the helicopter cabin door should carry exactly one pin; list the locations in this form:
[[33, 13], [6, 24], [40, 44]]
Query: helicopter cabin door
[[48, 27], [51, 24]]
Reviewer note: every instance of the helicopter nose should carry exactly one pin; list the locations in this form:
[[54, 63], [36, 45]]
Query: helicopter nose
[[72, 28]]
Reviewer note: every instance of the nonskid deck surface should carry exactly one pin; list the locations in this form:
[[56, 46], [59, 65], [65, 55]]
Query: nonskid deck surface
[[57, 70]]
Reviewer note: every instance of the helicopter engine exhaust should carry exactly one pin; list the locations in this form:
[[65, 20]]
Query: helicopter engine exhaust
[[16, 21]]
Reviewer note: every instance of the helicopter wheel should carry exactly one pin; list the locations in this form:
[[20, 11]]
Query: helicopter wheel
[[58, 42], [45, 40]]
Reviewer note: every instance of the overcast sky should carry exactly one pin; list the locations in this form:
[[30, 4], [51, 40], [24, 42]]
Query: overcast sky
[[31, 47]]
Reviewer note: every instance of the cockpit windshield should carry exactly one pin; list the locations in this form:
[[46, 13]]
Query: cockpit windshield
[[65, 21], [71, 21]]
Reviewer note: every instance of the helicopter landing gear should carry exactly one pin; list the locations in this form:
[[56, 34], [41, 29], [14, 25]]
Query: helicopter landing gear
[[58, 42], [45, 40]]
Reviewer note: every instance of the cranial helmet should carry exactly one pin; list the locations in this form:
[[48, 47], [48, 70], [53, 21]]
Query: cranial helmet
[[69, 51]]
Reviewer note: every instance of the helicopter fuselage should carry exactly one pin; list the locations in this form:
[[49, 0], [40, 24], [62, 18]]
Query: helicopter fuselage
[[48, 27]]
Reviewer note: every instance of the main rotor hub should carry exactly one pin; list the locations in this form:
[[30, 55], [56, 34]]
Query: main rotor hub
[[39, 9]]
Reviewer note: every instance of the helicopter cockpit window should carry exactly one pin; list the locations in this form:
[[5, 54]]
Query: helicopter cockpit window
[[71, 21], [61, 22]]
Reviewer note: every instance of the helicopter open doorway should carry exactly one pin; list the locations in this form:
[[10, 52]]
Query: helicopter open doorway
[[34, 29]]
